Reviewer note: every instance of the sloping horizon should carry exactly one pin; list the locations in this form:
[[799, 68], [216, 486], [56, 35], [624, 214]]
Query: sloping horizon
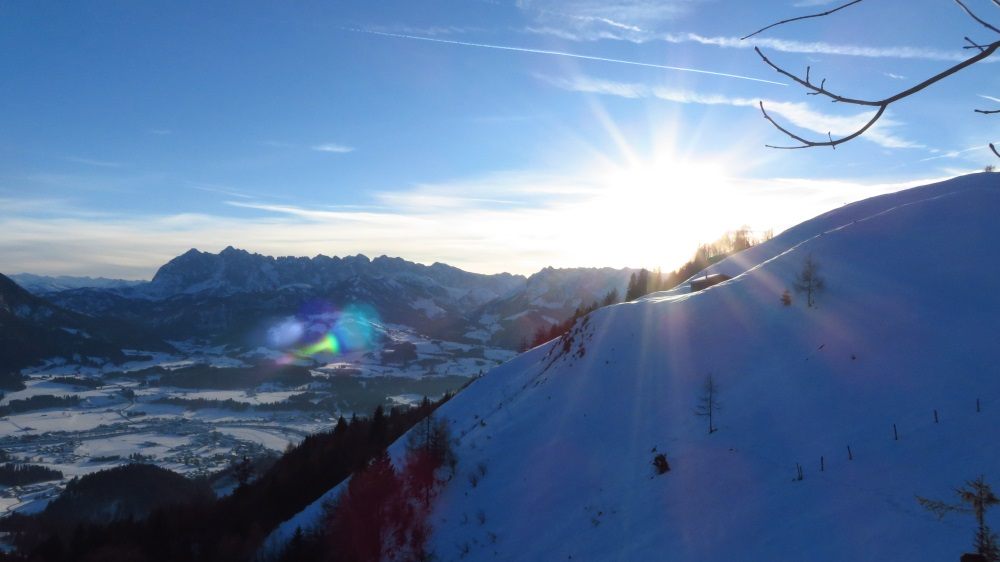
[[490, 135]]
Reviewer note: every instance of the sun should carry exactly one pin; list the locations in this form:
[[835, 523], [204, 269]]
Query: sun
[[654, 212]]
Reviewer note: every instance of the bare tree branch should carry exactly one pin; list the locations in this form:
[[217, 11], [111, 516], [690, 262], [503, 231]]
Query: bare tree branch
[[815, 90], [826, 13], [940, 508], [880, 104], [985, 51], [831, 143], [975, 17], [973, 45]]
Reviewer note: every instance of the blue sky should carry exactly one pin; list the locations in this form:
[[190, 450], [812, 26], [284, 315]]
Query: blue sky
[[440, 131]]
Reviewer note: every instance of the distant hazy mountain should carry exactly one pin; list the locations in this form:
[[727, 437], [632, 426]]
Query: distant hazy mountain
[[233, 296], [32, 329], [45, 284], [547, 297]]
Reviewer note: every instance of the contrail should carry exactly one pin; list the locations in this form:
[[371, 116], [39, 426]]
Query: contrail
[[565, 54]]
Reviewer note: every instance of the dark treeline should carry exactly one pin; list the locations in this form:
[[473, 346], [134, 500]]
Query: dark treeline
[[644, 282], [342, 392], [15, 474], [382, 515], [303, 401], [229, 378], [78, 381], [129, 491], [11, 381], [555, 330], [229, 528], [39, 402]]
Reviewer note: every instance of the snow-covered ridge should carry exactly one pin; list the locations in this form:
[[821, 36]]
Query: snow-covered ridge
[[907, 326], [234, 271], [44, 284]]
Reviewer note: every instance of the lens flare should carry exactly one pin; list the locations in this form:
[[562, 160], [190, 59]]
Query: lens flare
[[286, 334], [327, 344], [321, 329]]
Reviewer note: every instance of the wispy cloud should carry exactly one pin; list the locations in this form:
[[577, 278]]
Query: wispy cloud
[[329, 147], [160, 132], [458, 222], [956, 153], [333, 147], [101, 179], [222, 191], [816, 47], [991, 98], [598, 19], [894, 76], [430, 31], [34, 204], [45, 207], [97, 163], [574, 33], [570, 55], [797, 113], [326, 215]]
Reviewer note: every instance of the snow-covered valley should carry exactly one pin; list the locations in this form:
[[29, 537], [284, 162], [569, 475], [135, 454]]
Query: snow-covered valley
[[121, 413]]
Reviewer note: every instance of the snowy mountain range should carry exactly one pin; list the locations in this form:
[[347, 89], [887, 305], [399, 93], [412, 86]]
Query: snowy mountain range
[[830, 418], [235, 297], [45, 284], [32, 328]]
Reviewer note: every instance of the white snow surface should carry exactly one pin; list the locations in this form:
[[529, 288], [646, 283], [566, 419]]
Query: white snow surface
[[907, 325], [429, 308]]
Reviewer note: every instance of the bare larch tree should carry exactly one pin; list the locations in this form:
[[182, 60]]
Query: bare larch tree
[[708, 403], [808, 281], [983, 51], [976, 497]]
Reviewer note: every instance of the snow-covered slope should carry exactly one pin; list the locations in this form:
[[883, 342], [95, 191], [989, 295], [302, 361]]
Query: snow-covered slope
[[908, 324]]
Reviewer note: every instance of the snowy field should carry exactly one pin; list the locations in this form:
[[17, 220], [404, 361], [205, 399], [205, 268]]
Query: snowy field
[[118, 417]]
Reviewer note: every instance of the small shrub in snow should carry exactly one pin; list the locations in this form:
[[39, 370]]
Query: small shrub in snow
[[660, 464], [786, 298]]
